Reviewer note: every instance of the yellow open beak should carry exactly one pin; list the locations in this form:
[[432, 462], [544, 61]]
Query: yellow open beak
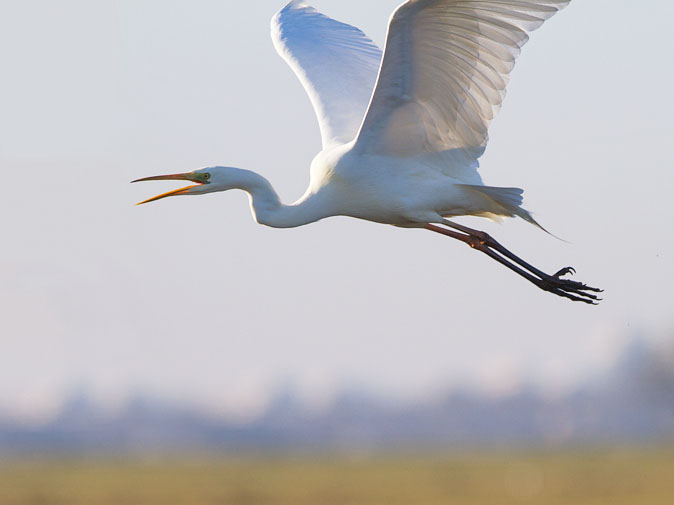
[[175, 177]]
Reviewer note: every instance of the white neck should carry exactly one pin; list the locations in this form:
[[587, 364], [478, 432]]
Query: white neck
[[268, 209]]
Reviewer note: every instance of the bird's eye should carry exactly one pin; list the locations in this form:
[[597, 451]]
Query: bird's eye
[[207, 176]]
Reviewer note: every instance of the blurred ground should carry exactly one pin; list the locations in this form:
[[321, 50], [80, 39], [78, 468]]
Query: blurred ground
[[583, 477]]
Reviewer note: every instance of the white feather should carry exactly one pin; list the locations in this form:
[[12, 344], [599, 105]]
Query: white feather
[[336, 63], [444, 74]]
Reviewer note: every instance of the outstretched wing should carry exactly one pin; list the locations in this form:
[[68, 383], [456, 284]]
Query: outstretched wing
[[444, 74], [336, 63]]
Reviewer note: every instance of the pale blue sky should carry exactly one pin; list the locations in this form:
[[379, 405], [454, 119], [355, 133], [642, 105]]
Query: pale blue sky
[[189, 299]]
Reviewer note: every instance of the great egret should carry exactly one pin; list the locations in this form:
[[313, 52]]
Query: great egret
[[402, 131]]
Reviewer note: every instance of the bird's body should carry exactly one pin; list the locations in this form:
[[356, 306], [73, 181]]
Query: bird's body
[[402, 130], [389, 190]]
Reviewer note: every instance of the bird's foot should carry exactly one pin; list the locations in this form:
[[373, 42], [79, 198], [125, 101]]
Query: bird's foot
[[573, 290]]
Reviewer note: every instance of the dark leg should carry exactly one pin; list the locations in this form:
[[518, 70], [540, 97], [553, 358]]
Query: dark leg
[[483, 242]]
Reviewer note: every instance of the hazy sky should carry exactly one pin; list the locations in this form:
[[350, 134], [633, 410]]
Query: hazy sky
[[189, 299]]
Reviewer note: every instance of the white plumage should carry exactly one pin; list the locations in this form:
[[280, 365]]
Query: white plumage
[[445, 72], [336, 63], [402, 132]]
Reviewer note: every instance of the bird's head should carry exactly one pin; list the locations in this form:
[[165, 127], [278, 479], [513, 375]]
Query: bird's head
[[208, 180]]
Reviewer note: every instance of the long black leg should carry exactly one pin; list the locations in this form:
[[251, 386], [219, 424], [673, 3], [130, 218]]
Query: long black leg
[[484, 243]]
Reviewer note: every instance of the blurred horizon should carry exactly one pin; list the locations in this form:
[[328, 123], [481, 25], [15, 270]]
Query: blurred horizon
[[630, 402], [502, 379]]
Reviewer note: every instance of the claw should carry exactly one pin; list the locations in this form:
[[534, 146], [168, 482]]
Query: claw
[[576, 291], [565, 271]]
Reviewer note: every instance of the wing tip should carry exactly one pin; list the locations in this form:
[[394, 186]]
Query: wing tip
[[294, 5]]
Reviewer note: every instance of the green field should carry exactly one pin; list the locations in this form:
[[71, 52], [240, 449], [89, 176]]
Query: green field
[[599, 477]]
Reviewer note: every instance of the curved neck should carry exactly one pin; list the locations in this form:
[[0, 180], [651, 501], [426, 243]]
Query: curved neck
[[268, 209]]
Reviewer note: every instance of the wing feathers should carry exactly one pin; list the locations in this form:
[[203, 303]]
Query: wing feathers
[[444, 74], [336, 63]]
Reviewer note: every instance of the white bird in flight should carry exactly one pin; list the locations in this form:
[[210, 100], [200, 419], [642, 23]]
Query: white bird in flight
[[402, 130]]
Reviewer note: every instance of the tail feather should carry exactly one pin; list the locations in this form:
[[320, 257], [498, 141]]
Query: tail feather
[[504, 202]]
